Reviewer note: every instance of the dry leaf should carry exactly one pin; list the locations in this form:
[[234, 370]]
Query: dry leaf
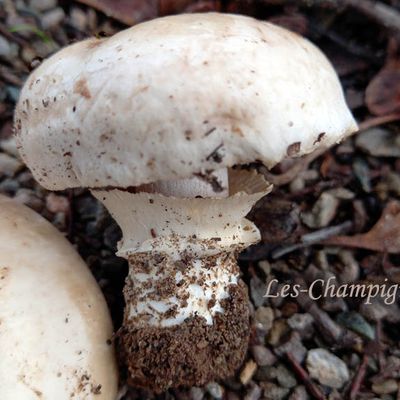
[[383, 92], [384, 235], [129, 12], [382, 95]]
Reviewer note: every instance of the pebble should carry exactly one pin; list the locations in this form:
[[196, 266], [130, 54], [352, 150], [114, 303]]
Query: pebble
[[354, 321], [265, 267], [263, 356], [351, 270], [215, 390], [196, 393], [9, 145], [43, 5], [334, 304], [247, 372], [379, 142], [393, 364], [257, 291], [378, 310], [302, 323], [78, 19], [265, 317], [254, 392], [393, 182], [294, 346], [300, 393], [323, 211], [51, 19], [328, 369], [5, 48], [386, 387], [13, 92], [274, 392], [9, 186], [284, 377], [9, 166], [56, 203], [278, 330]]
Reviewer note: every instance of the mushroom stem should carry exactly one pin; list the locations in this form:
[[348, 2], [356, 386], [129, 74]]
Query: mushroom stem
[[186, 319]]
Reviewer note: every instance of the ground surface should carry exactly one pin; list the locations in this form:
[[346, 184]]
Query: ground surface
[[348, 198]]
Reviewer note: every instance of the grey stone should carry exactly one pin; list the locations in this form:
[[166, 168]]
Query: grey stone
[[326, 368], [196, 393], [284, 377], [302, 323], [215, 390], [293, 346], [253, 393], [379, 142], [274, 392], [5, 47], [262, 355]]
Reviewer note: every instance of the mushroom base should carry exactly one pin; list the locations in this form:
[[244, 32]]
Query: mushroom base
[[191, 353]]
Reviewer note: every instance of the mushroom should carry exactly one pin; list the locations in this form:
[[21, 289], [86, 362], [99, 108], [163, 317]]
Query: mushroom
[[156, 120], [54, 323]]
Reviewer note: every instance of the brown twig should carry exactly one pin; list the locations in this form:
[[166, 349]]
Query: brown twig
[[312, 388], [313, 238], [377, 121], [359, 378]]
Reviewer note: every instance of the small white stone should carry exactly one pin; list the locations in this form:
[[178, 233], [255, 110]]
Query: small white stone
[[78, 18], [328, 369], [215, 390], [9, 166], [43, 5], [52, 18]]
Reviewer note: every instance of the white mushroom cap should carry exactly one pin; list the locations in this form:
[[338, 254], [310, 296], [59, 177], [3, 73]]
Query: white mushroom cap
[[54, 322], [174, 97]]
